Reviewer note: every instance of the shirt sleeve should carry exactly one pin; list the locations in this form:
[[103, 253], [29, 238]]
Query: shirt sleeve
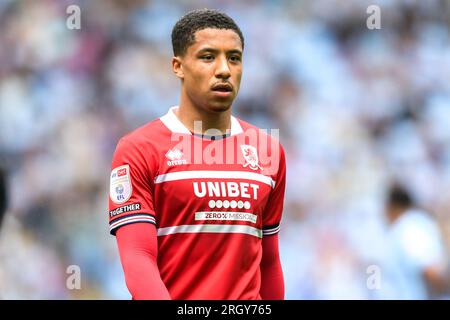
[[138, 249], [274, 208], [272, 279], [131, 190]]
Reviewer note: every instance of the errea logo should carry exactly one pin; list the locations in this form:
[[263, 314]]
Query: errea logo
[[174, 155]]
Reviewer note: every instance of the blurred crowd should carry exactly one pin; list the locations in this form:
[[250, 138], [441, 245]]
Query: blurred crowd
[[357, 109]]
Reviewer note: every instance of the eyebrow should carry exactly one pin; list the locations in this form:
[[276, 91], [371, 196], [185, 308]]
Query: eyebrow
[[216, 51]]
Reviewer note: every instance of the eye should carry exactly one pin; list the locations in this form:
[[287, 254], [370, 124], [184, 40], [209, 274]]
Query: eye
[[207, 58], [235, 58]]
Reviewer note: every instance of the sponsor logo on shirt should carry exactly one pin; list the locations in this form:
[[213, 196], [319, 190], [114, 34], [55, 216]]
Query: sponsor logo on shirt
[[228, 189], [174, 157], [226, 216], [234, 193], [121, 172]]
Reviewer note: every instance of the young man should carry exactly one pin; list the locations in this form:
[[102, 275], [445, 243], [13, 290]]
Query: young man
[[195, 209]]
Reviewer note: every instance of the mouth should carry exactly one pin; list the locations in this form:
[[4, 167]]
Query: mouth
[[222, 89]]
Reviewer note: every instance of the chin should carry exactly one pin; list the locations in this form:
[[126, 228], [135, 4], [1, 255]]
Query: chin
[[218, 107]]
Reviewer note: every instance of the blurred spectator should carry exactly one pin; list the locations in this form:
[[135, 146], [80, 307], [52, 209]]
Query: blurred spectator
[[416, 263]]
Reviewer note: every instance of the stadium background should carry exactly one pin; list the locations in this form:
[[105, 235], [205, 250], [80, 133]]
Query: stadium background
[[356, 108]]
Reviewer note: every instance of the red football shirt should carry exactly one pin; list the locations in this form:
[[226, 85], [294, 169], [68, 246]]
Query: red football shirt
[[211, 200]]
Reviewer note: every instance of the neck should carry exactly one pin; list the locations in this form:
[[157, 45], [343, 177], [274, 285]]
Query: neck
[[187, 113], [395, 214]]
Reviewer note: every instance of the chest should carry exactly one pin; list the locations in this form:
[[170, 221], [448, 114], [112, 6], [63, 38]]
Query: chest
[[211, 181]]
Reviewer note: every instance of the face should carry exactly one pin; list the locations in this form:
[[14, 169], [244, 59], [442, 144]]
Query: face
[[393, 212], [211, 69]]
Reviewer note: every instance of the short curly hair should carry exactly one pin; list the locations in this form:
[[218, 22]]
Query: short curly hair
[[183, 33]]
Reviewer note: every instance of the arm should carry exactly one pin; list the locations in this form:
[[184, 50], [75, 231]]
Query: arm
[[272, 281], [138, 250]]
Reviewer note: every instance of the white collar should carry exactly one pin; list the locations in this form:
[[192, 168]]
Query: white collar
[[171, 121]]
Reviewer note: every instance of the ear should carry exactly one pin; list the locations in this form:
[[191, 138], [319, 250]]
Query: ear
[[177, 67]]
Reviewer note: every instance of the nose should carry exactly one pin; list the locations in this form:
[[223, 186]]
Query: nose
[[222, 68]]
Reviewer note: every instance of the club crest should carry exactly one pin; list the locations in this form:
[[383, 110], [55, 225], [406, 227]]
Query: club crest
[[251, 157]]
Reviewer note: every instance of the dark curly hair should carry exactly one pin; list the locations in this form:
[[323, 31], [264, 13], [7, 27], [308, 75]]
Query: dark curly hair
[[399, 196], [183, 33]]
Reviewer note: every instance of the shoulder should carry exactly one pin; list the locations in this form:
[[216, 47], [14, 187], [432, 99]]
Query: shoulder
[[271, 135], [419, 237], [416, 225], [417, 219], [268, 140], [150, 138], [142, 145], [265, 143]]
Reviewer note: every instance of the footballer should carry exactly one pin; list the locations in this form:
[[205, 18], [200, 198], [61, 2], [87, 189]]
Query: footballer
[[196, 196]]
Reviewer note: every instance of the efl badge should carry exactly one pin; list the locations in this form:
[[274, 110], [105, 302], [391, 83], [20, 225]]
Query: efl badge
[[120, 184], [251, 157]]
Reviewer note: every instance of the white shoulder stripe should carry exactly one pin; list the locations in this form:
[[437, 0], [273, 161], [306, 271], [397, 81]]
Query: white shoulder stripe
[[183, 175], [211, 228]]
